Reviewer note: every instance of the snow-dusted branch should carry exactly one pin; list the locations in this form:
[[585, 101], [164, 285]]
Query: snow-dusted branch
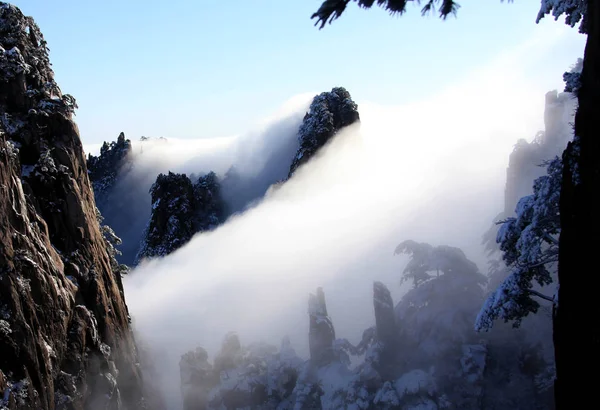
[[541, 295], [550, 239], [529, 243]]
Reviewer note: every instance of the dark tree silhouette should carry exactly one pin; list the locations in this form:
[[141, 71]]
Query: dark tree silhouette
[[332, 9]]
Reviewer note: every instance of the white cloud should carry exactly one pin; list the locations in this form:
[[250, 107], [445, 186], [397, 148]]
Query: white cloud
[[430, 171]]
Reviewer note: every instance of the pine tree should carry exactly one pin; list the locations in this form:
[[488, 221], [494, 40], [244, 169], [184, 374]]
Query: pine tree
[[529, 243], [447, 292]]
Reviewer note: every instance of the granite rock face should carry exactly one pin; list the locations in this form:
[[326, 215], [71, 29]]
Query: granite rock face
[[65, 336]]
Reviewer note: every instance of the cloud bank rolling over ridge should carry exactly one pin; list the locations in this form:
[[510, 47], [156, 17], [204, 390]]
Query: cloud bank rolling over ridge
[[431, 171]]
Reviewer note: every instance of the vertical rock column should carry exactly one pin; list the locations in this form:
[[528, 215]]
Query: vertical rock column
[[321, 332]]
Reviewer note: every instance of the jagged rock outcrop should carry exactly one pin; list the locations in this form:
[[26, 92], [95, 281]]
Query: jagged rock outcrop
[[259, 376], [209, 208], [329, 112], [386, 329], [171, 222], [105, 168], [385, 318], [180, 209], [321, 333], [121, 181], [65, 339]]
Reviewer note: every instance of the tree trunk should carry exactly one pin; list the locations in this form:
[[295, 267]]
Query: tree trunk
[[577, 316]]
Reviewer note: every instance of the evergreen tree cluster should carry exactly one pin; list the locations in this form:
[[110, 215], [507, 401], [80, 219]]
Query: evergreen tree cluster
[[104, 169]]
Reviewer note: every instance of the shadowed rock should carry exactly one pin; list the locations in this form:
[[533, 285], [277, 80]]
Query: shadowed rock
[[180, 209], [329, 112], [321, 332], [385, 319]]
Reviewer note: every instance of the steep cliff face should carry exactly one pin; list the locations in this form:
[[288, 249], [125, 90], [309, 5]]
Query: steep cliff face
[[64, 331], [321, 331], [171, 224], [117, 193]]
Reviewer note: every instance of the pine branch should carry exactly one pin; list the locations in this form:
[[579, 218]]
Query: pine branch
[[550, 239], [540, 295], [333, 9]]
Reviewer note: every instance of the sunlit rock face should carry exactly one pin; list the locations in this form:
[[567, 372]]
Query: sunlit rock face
[[65, 339]]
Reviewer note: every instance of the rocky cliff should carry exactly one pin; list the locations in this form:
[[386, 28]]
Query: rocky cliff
[[329, 112], [118, 194], [180, 209], [65, 337]]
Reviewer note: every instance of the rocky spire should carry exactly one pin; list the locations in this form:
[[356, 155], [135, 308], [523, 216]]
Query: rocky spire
[[64, 331], [385, 319], [329, 112], [321, 332], [179, 210]]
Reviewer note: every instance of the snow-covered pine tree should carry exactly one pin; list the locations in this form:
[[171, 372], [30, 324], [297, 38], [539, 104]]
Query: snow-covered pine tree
[[573, 10], [447, 292], [529, 242]]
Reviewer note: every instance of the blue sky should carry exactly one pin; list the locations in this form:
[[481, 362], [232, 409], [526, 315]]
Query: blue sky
[[203, 68]]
